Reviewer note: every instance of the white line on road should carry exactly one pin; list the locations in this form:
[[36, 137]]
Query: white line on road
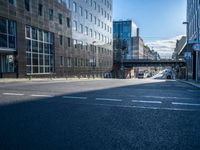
[[108, 99], [73, 97], [13, 94], [185, 104], [163, 97], [41, 95], [152, 102]]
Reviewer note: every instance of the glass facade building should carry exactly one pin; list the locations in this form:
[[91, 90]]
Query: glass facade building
[[123, 31]]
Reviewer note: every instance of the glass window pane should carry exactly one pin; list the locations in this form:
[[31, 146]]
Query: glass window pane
[[46, 48], [35, 59], [34, 46], [40, 35], [28, 32], [28, 59], [11, 27], [40, 47], [34, 34], [3, 40], [28, 45], [12, 42], [46, 37], [47, 60], [3, 26], [41, 59], [35, 69]]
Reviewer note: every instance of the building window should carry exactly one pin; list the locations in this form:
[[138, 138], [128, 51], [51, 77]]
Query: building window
[[68, 22], [60, 18], [90, 17], [40, 9], [86, 14], [39, 51], [13, 2], [69, 42], [7, 33], [75, 43], [61, 39], [95, 5], [27, 4], [75, 25], [86, 30], [91, 33], [74, 7], [62, 60], [50, 14], [80, 11], [81, 28]]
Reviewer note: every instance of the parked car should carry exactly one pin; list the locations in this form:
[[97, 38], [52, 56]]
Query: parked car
[[140, 75]]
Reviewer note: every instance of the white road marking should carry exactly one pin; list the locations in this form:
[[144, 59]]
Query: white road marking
[[108, 99], [141, 101], [163, 97], [185, 104], [13, 94], [142, 107], [73, 97], [41, 95]]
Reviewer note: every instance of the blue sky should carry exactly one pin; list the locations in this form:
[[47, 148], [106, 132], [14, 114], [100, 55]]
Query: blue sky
[[158, 20]]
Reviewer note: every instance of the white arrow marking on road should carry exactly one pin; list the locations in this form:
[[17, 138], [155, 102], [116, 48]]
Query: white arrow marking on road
[[108, 99], [72, 97], [13, 94], [152, 102], [185, 104], [42, 95]]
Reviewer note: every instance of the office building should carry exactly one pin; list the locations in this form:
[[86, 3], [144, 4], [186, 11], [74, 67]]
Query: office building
[[193, 35], [55, 38], [92, 36]]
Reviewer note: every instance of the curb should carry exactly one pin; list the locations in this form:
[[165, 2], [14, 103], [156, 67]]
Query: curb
[[190, 83]]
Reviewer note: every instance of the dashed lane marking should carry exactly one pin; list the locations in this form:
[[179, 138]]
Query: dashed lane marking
[[152, 102], [13, 94], [73, 97], [42, 95], [185, 104], [108, 99], [163, 97]]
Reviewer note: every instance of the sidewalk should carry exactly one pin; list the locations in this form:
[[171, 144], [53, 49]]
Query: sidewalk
[[10, 80], [191, 82]]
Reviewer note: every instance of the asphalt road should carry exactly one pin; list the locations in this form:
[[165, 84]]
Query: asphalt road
[[99, 115]]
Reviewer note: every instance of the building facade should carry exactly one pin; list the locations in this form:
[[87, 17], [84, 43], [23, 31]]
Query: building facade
[[61, 38], [35, 38], [193, 31], [92, 35], [123, 32]]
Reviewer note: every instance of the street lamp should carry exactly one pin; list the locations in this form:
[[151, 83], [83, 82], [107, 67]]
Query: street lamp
[[187, 42], [93, 59]]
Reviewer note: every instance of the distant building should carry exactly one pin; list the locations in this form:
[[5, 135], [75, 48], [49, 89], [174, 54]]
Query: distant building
[[179, 46], [123, 32]]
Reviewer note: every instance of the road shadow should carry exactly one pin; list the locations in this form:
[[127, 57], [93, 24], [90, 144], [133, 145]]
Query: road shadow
[[56, 123]]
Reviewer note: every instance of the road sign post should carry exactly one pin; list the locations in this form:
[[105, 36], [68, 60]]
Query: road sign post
[[196, 47]]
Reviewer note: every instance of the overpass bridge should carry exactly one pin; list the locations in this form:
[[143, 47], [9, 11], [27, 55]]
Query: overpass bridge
[[129, 63]]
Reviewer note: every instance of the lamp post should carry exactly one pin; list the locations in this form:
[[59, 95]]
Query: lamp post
[[93, 59], [187, 42]]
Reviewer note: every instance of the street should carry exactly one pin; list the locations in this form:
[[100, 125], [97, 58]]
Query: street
[[141, 114]]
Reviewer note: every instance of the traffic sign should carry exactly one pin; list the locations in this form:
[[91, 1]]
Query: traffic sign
[[187, 55], [196, 47]]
